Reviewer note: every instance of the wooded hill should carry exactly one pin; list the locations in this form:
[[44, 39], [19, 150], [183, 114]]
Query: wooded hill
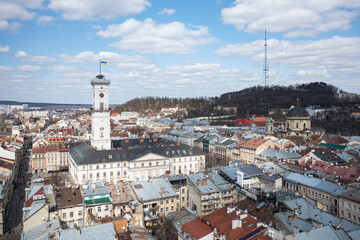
[[254, 100]]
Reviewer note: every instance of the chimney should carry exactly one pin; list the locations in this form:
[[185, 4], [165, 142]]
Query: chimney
[[204, 182], [198, 182], [290, 218], [78, 231], [236, 223], [296, 230], [308, 233], [242, 216]]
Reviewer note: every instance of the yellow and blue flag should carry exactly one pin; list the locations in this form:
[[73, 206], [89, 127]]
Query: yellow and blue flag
[[103, 62]]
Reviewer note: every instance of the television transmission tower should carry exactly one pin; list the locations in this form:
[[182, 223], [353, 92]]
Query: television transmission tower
[[265, 75]]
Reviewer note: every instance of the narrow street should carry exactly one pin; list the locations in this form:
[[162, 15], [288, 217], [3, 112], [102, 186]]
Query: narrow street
[[12, 228]]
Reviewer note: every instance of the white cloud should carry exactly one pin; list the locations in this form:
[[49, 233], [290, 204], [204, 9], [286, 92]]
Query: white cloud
[[167, 11], [292, 17], [4, 49], [5, 69], [333, 58], [17, 10], [94, 9], [148, 37], [44, 20], [122, 62], [6, 26], [34, 59], [28, 68]]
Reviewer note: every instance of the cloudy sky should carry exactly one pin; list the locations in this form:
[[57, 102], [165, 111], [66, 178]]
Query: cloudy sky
[[50, 49]]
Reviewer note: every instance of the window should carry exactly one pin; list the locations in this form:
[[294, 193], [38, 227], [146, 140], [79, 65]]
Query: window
[[164, 162], [91, 175], [161, 202], [142, 164], [183, 190], [118, 173], [125, 164], [104, 174], [104, 166], [97, 175], [118, 165], [83, 167], [149, 164], [111, 165], [80, 213], [99, 209], [297, 125], [97, 166], [111, 174], [354, 207], [349, 216], [342, 203], [161, 210], [342, 213], [84, 176], [172, 208], [71, 214], [167, 209], [91, 167], [124, 172], [134, 164], [64, 215], [157, 163], [167, 201]]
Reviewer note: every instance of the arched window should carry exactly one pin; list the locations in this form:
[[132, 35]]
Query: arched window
[[297, 125], [304, 125]]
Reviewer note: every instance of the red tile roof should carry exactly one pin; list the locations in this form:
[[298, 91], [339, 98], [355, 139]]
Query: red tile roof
[[30, 201], [252, 143], [197, 228]]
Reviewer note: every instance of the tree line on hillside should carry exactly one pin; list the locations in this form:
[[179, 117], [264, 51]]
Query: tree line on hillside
[[258, 100]]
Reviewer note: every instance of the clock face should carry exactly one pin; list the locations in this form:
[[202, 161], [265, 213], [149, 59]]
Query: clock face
[[101, 95]]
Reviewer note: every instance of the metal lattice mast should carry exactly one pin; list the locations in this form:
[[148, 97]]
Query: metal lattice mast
[[265, 67]]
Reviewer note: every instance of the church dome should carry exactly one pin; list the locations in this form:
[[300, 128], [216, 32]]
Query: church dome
[[297, 112], [17, 122]]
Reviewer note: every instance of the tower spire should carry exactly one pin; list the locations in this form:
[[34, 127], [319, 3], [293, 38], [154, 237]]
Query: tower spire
[[265, 66]]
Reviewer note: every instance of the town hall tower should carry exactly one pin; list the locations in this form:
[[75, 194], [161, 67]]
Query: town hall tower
[[100, 117]]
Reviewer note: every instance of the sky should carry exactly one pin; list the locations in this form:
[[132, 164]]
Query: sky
[[50, 49]]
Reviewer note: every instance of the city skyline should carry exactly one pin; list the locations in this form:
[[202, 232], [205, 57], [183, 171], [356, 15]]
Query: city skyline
[[50, 50]]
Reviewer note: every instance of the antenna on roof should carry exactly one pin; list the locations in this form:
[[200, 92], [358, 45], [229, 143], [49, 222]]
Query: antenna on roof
[[265, 66]]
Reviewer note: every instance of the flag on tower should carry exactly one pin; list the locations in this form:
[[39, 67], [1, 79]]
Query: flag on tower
[[103, 62]]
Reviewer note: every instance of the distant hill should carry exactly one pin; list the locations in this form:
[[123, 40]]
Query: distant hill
[[254, 100], [260, 99], [34, 104]]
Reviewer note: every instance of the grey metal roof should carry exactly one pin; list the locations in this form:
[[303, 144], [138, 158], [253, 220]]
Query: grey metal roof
[[297, 112], [97, 188], [325, 232], [209, 187], [83, 154], [101, 231], [302, 224], [322, 185], [279, 154], [157, 189]]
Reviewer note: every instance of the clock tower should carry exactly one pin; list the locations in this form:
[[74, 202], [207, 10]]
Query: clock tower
[[100, 117]]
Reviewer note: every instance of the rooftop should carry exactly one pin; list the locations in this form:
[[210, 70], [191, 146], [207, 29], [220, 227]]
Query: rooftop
[[69, 197], [203, 183], [158, 189]]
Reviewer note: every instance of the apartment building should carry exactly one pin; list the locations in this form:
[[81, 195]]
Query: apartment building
[[204, 195], [246, 151], [97, 201], [69, 203], [349, 203], [157, 197], [179, 184], [324, 193]]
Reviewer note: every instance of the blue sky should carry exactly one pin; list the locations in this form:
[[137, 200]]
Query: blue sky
[[49, 49]]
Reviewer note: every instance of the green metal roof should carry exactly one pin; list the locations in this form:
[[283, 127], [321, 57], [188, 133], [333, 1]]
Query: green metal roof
[[332, 146], [97, 201]]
